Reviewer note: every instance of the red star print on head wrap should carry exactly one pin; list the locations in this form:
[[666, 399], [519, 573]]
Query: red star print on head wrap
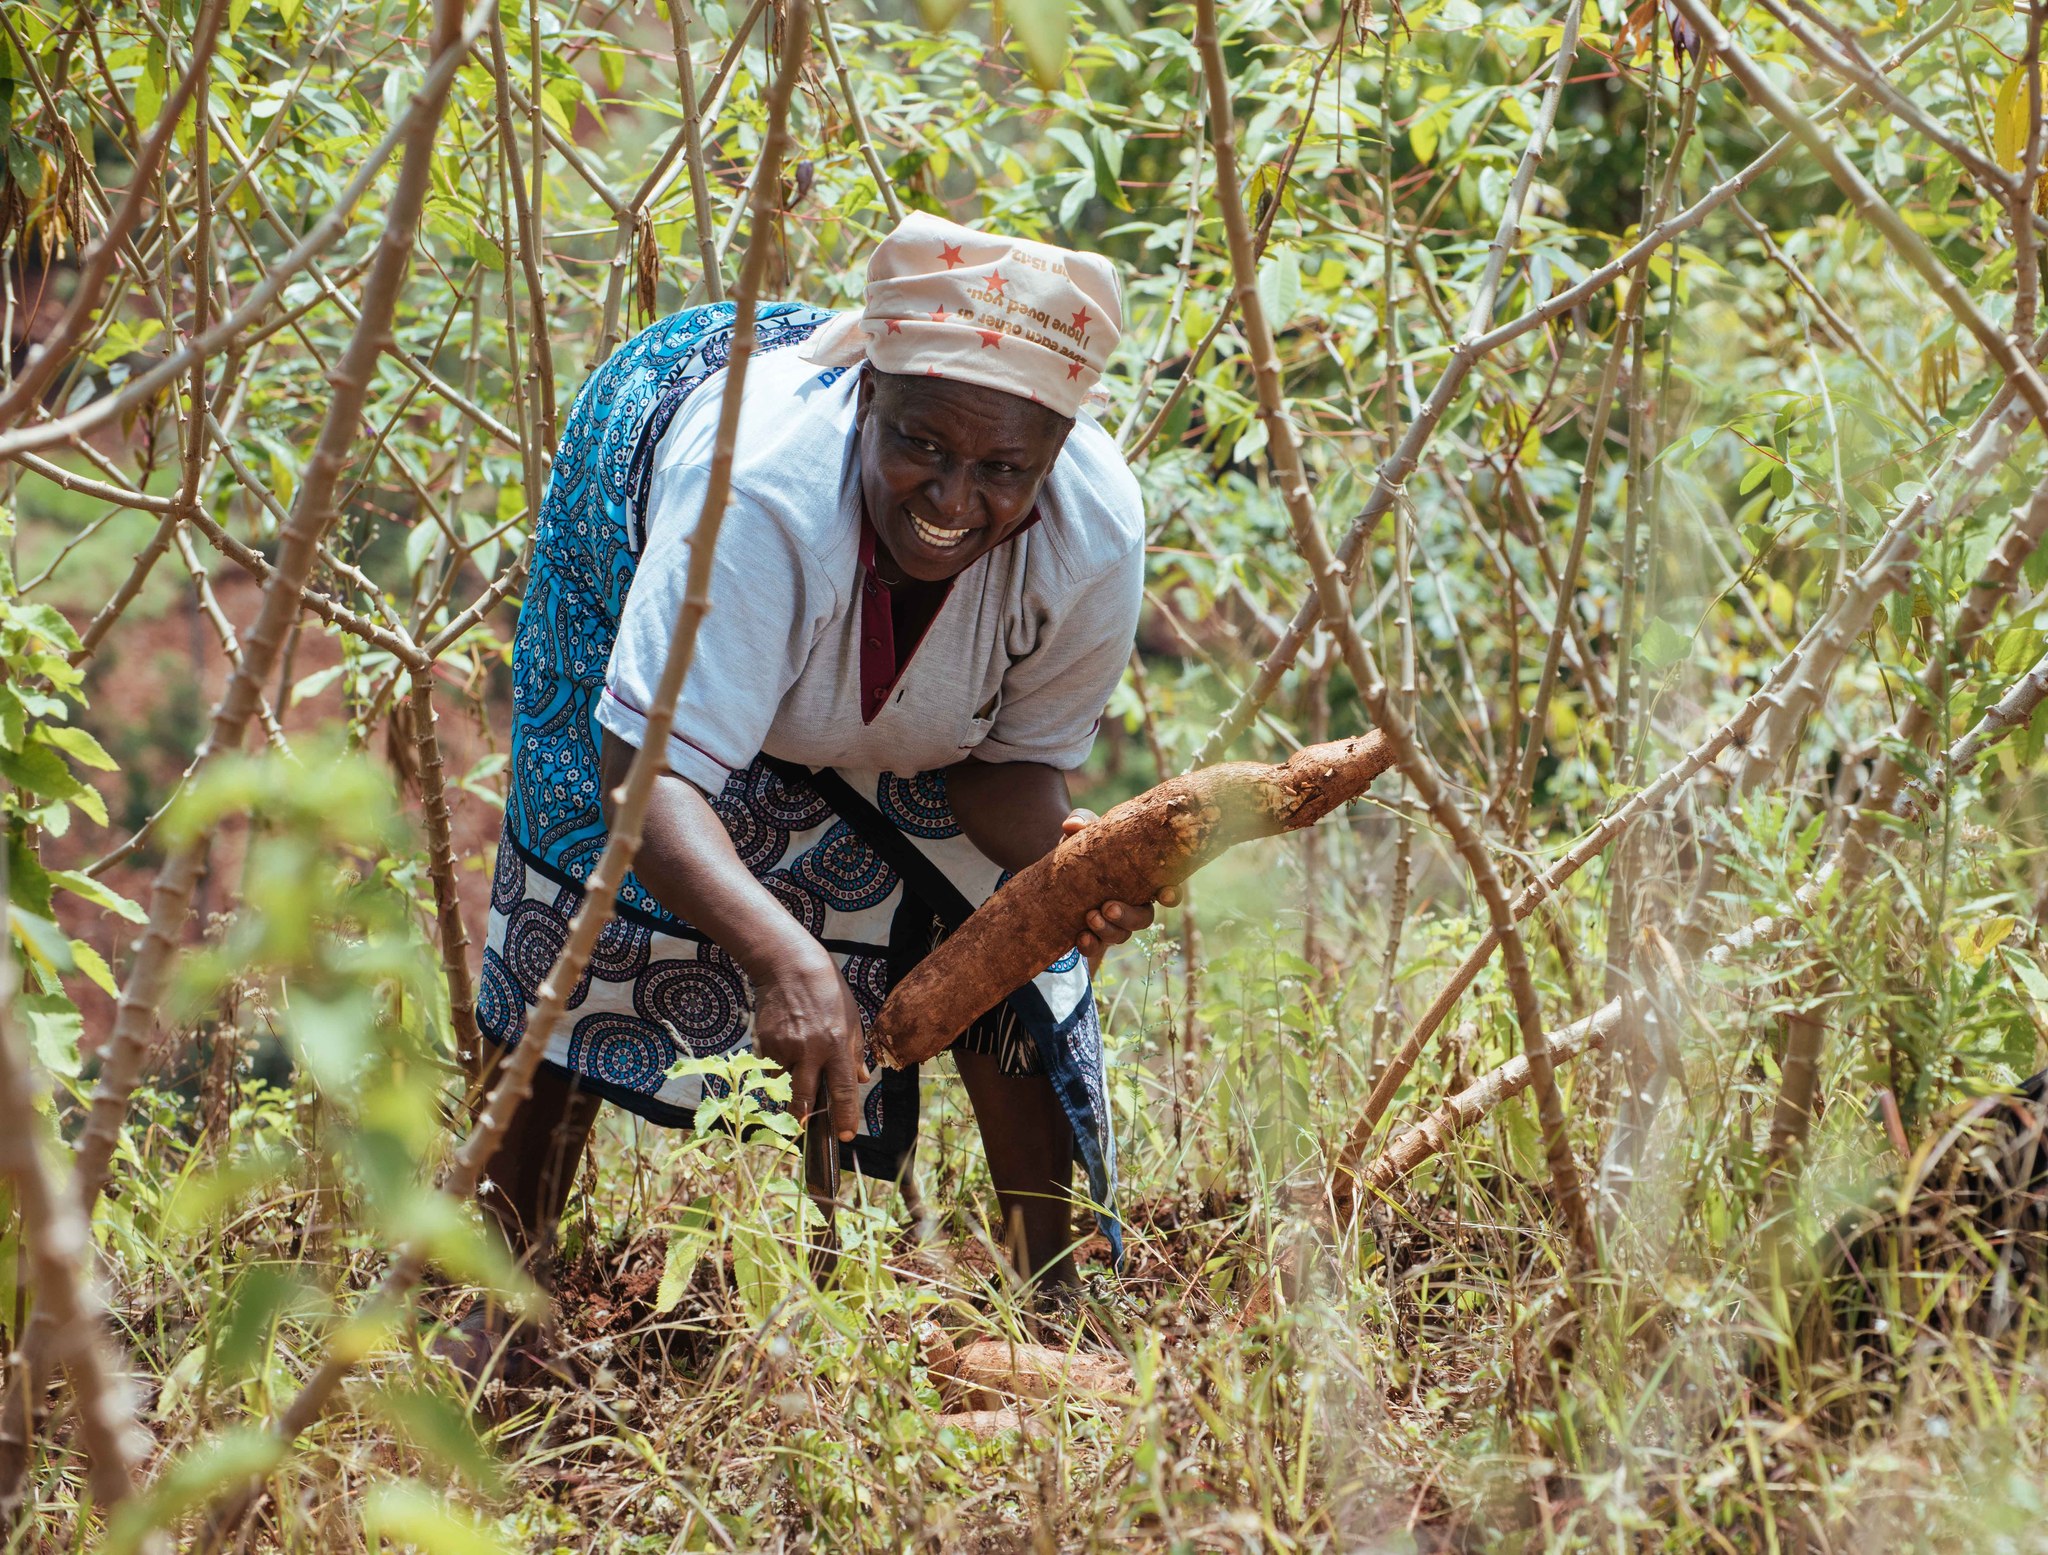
[[1007, 313]]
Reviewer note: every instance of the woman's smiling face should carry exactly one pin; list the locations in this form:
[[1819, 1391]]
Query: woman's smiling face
[[949, 470]]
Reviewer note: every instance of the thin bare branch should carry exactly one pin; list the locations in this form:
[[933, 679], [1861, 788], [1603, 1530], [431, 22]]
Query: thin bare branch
[[60, 1251], [883, 187], [679, 17], [515, 1075], [441, 868], [57, 351]]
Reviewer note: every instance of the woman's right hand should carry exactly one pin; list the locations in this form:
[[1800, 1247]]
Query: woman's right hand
[[804, 1015], [806, 1020]]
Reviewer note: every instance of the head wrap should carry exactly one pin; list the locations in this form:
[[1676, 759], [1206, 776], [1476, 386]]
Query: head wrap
[[1006, 313]]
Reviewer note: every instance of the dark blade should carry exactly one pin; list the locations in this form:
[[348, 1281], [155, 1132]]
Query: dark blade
[[821, 1186]]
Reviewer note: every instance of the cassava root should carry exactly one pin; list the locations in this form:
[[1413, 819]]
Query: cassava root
[[1131, 854]]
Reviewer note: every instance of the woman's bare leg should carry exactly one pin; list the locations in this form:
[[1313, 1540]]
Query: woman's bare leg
[[529, 1175], [1030, 1147], [525, 1188]]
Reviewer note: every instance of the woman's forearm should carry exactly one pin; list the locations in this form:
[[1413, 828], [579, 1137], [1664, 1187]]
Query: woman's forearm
[[687, 860], [805, 1017], [1015, 813], [1011, 810]]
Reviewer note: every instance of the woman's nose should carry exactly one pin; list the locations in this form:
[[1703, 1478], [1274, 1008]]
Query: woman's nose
[[951, 494]]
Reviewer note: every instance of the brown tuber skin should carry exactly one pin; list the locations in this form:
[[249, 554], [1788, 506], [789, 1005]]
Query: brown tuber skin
[[1131, 854]]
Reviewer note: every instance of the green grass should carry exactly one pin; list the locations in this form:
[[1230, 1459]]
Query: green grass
[[1421, 1382]]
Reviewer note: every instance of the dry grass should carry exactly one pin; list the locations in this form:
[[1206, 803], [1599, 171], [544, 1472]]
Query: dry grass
[[1422, 1384]]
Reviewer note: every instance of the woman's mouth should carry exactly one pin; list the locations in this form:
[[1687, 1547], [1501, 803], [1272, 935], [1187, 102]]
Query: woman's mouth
[[937, 538]]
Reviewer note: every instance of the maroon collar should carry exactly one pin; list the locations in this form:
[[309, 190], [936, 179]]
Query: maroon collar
[[894, 621]]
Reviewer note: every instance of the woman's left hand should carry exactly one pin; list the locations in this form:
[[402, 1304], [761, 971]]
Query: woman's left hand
[[1113, 922]]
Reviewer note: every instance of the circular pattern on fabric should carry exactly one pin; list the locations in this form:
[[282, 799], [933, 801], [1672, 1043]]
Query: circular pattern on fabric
[[844, 870], [534, 936], [756, 838], [1068, 962], [793, 806], [797, 899], [500, 1011], [871, 1111], [529, 695], [713, 955], [621, 951], [868, 977], [508, 877], [699, 1003], [917, 804], [621, 1051]]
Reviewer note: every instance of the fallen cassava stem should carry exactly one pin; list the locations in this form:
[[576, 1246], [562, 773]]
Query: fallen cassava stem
[[1130, 855]]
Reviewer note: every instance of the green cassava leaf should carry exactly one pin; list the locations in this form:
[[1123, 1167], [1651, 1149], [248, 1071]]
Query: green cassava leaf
[[79, 745], [54, 1027]]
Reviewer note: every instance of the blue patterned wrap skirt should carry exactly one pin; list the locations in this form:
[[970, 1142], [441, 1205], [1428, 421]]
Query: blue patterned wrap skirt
[[873, 864]]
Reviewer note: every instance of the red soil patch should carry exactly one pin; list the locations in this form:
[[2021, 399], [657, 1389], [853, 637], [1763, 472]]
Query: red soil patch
[[152, 687]]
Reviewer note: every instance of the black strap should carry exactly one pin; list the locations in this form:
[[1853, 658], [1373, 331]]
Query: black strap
[[920, 876]]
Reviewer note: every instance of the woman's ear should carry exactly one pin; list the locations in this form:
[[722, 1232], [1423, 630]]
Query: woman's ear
[[864, 397], [1060, 443]]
